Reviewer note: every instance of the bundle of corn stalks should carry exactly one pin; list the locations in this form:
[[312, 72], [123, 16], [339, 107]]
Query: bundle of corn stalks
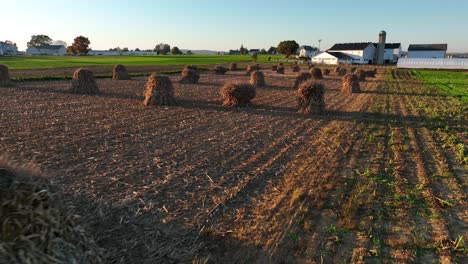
[[159, 91], [191, 67], [342, 72], [370, 74], [219, 69], [257, 79], [325, 71], [5, 80], [119, 72], [252, 68], [274, 68], [295, 68], [361, 74], [301, 77], [337, 69], [36, 225], [190, 77], [233, 66], [316, 73], [83, 82], [352, 70], [280, 69], [351, 84], [237, 94], [311, 97]]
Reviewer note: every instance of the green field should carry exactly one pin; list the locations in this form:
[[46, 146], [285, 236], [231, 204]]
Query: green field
[[46, 62], [453, 83]]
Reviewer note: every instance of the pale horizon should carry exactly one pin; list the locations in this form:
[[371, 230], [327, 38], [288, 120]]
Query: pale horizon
[[209, 25]]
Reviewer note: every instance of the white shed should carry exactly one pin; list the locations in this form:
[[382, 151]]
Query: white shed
[[434, 51], [52, 50], [332, 58]]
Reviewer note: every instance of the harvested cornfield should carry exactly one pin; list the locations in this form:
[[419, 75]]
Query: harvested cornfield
[[233, 66], [302, 77], [316, 73], [311, 97], [342, 72], [295, 68], [352, 69], [119, 72], [83, 82], [252, 68], [274, 68], [189, 77], [237, 94], [36, 225], [5, 80], [337, 70], [220, 70], [351, 84], [370, 74], [159, 91], [191, 67], [325, 71], [361, 74], [280, 69], [257, 78]]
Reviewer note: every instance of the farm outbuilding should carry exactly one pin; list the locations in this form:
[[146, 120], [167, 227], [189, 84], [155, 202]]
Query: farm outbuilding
[[8, 48], [52, 50], [332, 58], [434, 51], [307, 51]]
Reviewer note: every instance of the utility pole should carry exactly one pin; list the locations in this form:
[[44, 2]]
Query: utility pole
[[320, 40]]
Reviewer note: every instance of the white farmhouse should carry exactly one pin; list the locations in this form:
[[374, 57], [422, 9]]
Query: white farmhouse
[[51, 50], [307, 51], [8, 48], [332, 58], [434, 51]]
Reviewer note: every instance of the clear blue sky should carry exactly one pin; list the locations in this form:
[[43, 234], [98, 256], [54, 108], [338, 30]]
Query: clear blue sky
[[224, 25]]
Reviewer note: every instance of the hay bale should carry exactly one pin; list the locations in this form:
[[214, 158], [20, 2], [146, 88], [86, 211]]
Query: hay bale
[[5, 80], [219, 69], [237, 94], [257, 78], [191, 67], [325, 71], [361, 74], [119, 72], [311, 97], [351, 84], [233, 67], [252, 68], [280, 69], [83, 82], [159, 91], [316, 73], [36, 225], [274, 67], [295, 68], [189, 77], [302, 77]]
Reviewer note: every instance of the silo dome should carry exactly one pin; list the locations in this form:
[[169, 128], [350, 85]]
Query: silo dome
[[383, 32]]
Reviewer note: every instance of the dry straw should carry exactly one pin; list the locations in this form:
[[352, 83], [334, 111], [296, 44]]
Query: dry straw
[[237, 94], [280, 69], [311, 97], [159, 91], [361, 74], [316, 73], [370, 74], [233, 66], [342, 72], [295, 68], [274, 68], [83, 82], [302, 77], [36, 225], [252, 68], [257, 78], [189, 77], [119, 72], [325, 71], [191, 67], [351, 84], [219, 69], [5, 80]]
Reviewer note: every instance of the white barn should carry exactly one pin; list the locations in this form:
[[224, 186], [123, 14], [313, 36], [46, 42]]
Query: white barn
[[8, 48], [434, 51], [332, 58], [392, 52], [51, 50], [362, 53]]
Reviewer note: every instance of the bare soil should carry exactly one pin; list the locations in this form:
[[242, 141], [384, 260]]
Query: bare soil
[[374, 180]]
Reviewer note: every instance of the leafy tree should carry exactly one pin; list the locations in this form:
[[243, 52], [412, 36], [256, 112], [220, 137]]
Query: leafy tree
[[175, 51], [287, 47], [39, 40], [81, 45], [263, 51], [125, 49], [70, 50], [189, 52], [162, 48], [243, 50], [137, 49]]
